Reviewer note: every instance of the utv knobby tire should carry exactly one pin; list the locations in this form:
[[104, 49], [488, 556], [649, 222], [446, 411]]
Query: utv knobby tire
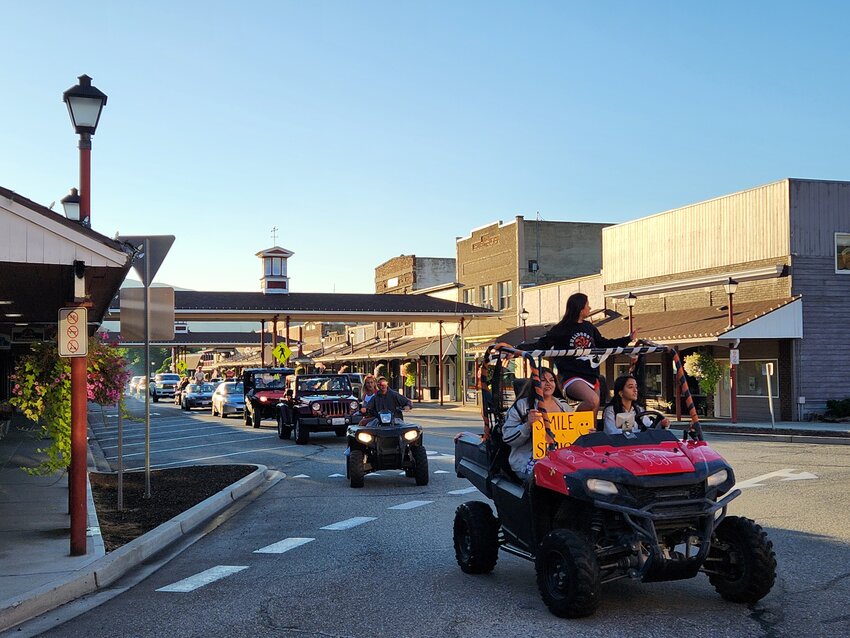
[[302, 434], [476, 538], [420, 467], [356, 469], [744, 556], [567, 574]]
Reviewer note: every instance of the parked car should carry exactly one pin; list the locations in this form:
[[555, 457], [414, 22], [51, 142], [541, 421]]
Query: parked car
[[133, 386], [196, 395], [263, 389], [228, 399], [164, 385], [320, 403]]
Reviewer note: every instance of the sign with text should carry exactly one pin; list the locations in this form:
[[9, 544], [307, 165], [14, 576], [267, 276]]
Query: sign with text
[[566, 427], [735, 357], [73, 332]]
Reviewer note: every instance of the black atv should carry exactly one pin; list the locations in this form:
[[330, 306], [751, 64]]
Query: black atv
[[386, 443], [642, 505]]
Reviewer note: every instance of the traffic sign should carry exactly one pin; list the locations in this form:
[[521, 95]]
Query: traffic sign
[[73, 332], [281, 353]]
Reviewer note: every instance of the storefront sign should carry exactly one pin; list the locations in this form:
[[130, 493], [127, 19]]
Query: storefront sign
[[27, 335]]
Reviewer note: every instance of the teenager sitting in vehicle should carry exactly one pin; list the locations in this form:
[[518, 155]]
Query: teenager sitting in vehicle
[[386, 400], [516, 431], [579, 377], [625, 403]]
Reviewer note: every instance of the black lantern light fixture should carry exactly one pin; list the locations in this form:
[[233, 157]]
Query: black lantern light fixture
[[71, 204], [85, 103], [631, 300], [730, 287]]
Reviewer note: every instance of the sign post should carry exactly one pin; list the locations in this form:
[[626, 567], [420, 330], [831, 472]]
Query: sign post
[[734, 361], [767, 370]]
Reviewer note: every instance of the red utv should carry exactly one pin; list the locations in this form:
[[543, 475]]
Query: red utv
[[642, 505]]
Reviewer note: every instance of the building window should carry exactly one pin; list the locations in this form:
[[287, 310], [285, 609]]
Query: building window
[[842, 253], [274, 266], [392, 282], [486, 295], [653, 377], [469, 296], [752, 382], [506, 293]]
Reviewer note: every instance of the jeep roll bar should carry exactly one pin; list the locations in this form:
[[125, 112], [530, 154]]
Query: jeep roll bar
[[499, 352]]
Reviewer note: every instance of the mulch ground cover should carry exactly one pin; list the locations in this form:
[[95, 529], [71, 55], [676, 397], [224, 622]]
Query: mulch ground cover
[[173, 491]]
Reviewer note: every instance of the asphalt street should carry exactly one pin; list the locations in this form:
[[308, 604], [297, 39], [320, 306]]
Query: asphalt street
[[312, 556]]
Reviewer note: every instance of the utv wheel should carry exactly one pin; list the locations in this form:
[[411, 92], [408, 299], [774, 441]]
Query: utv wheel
[[567, 574], [476, 538], [302, 434], [420, 468], [356, 469], [742, 559]]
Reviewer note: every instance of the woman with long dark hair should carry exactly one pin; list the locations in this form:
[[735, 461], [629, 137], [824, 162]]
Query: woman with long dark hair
[[625, 402], [579, 377]]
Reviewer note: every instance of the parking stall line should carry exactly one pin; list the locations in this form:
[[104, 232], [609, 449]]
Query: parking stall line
[[468, 490], [283, 546], [203, 578], [209, 458], [178, 438], [194, 447], [409, 505], [348, 523]]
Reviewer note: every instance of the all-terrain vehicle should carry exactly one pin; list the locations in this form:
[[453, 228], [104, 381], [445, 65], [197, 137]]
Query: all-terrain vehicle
[[386, 443], [643, 505]]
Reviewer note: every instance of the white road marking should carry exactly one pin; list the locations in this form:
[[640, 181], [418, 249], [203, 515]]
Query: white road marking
[[301, 476], [440, 472], [193, 447], [409, 505], [468, 490], [349, 523], [375, 474], [178, 438], [402, 473], [336, 475], [204, 578], [787, 475], [431, 453], [283, 546], [207, 458]]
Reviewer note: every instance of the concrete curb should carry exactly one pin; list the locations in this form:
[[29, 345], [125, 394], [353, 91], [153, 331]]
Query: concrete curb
[[106, 570], [786, 438]]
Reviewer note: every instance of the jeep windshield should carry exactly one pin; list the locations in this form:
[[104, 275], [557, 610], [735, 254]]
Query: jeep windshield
[[323, 385]]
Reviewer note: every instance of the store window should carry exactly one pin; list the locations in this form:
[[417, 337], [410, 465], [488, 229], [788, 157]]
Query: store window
[[506, 292], [469, 296], [486, 294], [653, 377], [842, 253], [752, 382]]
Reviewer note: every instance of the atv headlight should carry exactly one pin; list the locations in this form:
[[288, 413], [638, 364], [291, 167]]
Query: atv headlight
[[600, 486], [354, 405], [317, 407], [364, 437], [718, 478], [411, 435]]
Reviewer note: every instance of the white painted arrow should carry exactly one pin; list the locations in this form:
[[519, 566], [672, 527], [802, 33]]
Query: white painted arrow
[[784, 475]]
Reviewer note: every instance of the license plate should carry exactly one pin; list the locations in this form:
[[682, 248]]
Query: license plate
[[337, 421]]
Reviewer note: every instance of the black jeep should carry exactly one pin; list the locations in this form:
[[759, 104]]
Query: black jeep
[[264, 388]]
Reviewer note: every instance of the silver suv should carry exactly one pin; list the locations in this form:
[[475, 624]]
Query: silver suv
[[164, 385]]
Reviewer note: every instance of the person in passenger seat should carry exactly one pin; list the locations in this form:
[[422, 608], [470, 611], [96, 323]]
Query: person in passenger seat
[[517, 429]]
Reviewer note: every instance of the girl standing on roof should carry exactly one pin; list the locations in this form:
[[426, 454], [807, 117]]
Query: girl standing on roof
[[579, 377]]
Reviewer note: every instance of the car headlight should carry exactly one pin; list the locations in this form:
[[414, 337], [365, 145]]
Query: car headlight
[[600, 486], [263, 399], [317, 407], [364, 437], [353, 405], [718, 478]]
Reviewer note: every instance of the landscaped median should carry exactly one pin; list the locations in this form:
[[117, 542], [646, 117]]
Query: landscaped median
[[106, 570]]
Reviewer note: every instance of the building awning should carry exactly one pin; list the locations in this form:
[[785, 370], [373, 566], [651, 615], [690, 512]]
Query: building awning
[[433, 348]]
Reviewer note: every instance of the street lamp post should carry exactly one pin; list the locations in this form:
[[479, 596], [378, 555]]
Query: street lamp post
[[631, 300], [523, 316], [85, 104], [730, 287]]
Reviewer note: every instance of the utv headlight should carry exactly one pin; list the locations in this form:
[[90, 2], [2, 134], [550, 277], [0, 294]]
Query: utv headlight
[[411, 435], [317, 407], [718, 478], [364, 437], [600, 486], [354, 405]]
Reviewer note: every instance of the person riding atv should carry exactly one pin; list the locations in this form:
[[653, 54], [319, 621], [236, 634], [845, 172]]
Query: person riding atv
[[601, 507]]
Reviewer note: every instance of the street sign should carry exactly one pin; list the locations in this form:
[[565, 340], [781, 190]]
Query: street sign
[[133, 314], [73, 332], [281, 353], [181, 367], [735, 357], [157, 246]]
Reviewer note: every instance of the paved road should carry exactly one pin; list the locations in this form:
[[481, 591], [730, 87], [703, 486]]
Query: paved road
[[314, 557]]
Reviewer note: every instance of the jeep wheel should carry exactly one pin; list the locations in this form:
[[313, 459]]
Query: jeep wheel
[[356, 469], [283, 431], [567, 574], [255, 419], [476, 538], [247, 418], [302, 434], [741, 563], [420, 468]]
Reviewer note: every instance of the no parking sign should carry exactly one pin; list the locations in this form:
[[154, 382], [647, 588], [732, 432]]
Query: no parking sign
[[73, 332]]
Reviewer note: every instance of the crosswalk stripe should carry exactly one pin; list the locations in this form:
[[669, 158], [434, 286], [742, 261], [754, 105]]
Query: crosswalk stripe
[[283, 546], [440, 472], [409, 505], [467, 490], [300, 476], [349, 523], [335, 475], [204, 578]]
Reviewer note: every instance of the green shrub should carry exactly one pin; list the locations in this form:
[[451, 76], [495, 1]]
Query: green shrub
[[838, 409]]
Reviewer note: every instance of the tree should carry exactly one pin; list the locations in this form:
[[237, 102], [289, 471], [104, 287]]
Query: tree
[[703, 367]]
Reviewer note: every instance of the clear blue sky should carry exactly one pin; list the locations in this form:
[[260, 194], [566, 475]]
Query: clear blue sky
[[365, 130]]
